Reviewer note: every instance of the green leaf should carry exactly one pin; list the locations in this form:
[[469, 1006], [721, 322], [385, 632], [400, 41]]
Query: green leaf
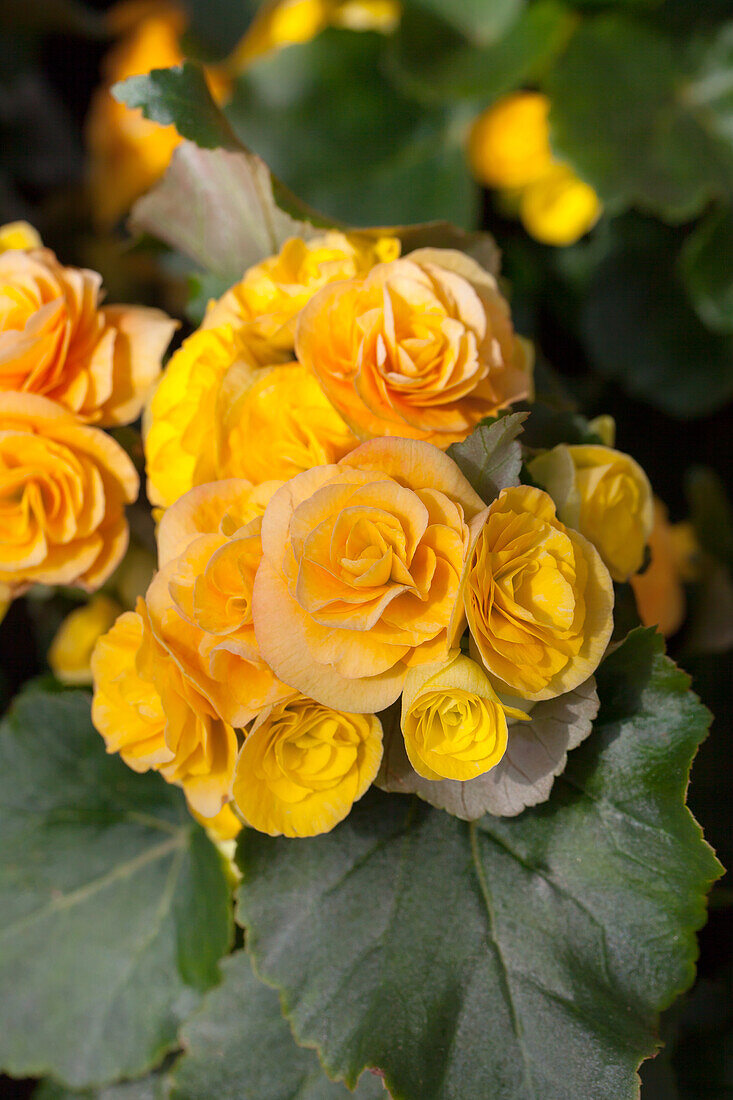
[[491, 458], [626, 118], [433, 62], [514, 958], [239, 1047], [483, 21], [218, 207], [114, 906], [537, 752], [179, 97], [707, 270], [151, 1087], [640, 330], [330, 124], [711, 512]]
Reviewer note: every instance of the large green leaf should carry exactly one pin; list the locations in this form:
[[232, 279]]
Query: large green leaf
[[481, 20], [239, 1047], [330, 124], [642, 122], [512, 958], [114, 906]]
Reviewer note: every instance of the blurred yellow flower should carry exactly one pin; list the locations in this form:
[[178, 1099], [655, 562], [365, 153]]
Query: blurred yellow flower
[[454, 725], [70, 653], [509, 150], [539, 600], [19, 235], [509, 143], [63, 491], [302, 767], [605, 495], [56, 340], [659, 591], [559, 208]]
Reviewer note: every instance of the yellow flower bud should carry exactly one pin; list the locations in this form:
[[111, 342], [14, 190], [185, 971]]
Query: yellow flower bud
[[454, 725], [223, 826], [559, 208], [606, 496], [302, 767], [70, 654], [19, 235], [509, 144]]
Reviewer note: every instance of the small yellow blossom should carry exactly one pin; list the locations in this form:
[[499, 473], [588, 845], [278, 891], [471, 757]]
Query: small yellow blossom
[[20, 236], [605, 495], [302, 767], [70, 653], [454, 725]]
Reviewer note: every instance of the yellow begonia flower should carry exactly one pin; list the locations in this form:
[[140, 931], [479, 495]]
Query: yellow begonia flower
[[149, 711], [421, 347], [302, 767], [539, 600], [56, 340], [19, 235], [605, 495], [509, 143], [361, 571], [63, 491], [559, 208], [659, 591], [276, 422], [70, 653], [454, 725]]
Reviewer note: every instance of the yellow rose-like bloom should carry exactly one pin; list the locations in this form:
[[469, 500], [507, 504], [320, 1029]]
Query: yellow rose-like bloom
[[452, 720], [70, 653], [361, 571], [419, 348], [275, 423], [216, 414], [539, 600], [63, 490], [200, 602], [148, 710], [264, 306], [559, 208], [19, 235], [659, 591], [302, 767], [605, 495], [56, 341], [509, 144]]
